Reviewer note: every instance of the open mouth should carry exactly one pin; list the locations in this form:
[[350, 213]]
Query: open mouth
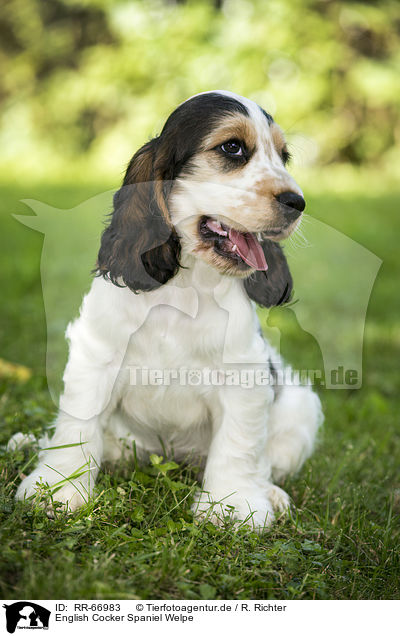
[[243, 248]]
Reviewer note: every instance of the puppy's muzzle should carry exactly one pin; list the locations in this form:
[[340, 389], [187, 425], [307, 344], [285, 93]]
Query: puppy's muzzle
[[291, 204]]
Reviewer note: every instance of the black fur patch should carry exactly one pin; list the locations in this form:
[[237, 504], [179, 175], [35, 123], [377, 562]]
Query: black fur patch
[[138, 246], [274, 376], [267, 115], [273, 287]]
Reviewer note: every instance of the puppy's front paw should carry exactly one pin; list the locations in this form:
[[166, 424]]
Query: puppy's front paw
[[205, 509], [72, 496], [279, 499], [256, 512], [43, 487]]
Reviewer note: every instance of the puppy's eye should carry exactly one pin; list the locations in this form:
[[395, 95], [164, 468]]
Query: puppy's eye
[[233, 148]]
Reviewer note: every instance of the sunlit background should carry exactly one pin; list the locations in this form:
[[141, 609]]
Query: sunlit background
[[82, 84]]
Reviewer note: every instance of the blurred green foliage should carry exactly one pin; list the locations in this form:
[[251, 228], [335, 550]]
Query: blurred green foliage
[[85, 82]]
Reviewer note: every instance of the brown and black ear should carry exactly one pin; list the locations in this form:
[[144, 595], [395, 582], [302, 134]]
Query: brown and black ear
[[273, 287], [140, 248]]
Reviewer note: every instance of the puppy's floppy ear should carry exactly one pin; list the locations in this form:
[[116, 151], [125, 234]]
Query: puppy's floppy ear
[[273, 287], [140, 246]]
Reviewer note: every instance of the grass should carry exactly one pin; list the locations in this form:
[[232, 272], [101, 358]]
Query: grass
[[137, 538]]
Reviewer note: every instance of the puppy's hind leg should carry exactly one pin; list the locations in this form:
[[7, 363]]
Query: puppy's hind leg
[[295, 417], [119, 441]]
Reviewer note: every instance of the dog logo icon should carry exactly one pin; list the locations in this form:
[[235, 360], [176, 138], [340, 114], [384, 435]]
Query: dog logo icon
[[26, 615]]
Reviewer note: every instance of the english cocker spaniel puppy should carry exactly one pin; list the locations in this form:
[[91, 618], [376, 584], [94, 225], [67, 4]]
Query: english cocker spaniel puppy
[[167, 352]]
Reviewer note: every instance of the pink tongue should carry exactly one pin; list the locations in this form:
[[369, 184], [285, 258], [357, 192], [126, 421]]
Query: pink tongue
[[249, 249]]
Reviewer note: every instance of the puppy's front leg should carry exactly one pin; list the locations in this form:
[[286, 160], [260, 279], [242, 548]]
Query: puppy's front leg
[[71, 461], [237, 472], [69, 464]]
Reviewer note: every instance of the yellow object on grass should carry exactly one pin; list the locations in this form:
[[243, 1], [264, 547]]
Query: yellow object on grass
[[12, 370]]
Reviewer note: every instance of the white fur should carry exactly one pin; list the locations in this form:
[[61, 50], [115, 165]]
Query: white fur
[[246, 436], [200, 318]]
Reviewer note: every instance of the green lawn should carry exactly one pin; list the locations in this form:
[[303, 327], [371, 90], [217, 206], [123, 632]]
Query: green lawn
[[137, 539]]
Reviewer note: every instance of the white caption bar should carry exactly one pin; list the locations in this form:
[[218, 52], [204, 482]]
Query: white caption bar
[[172, 617]]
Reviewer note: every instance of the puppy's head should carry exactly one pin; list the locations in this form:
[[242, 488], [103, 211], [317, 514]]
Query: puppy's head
[[213, 186]]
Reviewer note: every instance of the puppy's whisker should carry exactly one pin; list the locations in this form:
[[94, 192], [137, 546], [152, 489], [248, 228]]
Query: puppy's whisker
[[299, 238], [306, 218]]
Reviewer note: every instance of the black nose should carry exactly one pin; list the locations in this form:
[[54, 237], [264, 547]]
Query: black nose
[[294, 202]]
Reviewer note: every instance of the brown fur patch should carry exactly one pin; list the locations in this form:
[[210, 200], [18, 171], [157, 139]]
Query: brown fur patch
[[140, 246], [234, 126], [140, 168], [278, 137]]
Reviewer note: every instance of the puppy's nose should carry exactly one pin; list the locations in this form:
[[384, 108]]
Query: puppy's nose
[[294, 203]]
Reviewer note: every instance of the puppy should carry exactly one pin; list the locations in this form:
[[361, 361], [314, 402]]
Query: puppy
[[191, 247]]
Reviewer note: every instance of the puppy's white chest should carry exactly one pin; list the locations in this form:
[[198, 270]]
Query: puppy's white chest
[[170, 336], [163, 373]]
